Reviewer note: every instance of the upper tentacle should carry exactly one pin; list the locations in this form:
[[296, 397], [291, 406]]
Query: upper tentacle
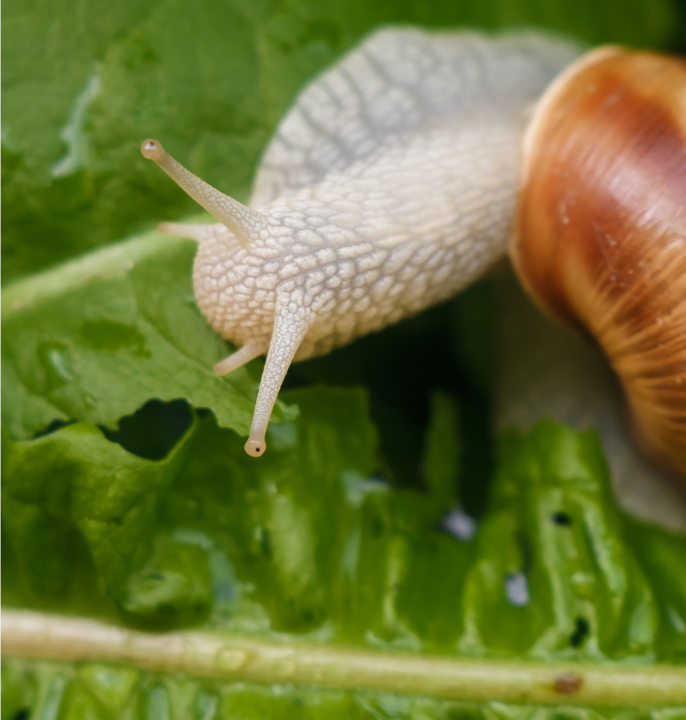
[[243, 222]]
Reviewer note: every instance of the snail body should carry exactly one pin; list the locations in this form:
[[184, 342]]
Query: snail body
[[390, 185]]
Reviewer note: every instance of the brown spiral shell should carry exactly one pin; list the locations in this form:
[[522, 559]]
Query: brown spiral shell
[[600, 234]]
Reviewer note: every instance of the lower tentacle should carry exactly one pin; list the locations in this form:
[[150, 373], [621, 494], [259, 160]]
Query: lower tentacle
[[290, 329]]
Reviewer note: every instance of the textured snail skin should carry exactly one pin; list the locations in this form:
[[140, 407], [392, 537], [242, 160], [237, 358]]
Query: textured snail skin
[[389, 186], [600, 237]]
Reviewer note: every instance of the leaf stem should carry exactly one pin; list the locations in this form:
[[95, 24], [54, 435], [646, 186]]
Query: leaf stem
[[229, 657]]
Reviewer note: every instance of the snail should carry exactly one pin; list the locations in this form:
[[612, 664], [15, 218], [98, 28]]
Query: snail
[[399, 176]]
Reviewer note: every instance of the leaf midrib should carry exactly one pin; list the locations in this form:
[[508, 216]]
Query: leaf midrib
[[239, 658]]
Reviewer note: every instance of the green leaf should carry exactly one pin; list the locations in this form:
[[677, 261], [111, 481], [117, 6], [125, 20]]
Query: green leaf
[[309, 537], [307, 543], [87, 82], [308, 546], [662, 555], [554, 534], [95, 339], [73, 498]]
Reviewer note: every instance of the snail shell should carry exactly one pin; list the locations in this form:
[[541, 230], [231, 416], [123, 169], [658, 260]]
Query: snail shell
[[600, 234]]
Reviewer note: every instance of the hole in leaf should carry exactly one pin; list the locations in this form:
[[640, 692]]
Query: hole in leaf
[[517, 589], [153, 430], [581, 631], [458, 524], [561, 518], [54, 426]]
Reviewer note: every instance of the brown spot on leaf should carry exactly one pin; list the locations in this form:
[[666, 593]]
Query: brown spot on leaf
[[568, 684]]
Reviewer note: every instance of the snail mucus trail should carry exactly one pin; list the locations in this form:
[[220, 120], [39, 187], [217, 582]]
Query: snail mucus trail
[[393, 182]]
